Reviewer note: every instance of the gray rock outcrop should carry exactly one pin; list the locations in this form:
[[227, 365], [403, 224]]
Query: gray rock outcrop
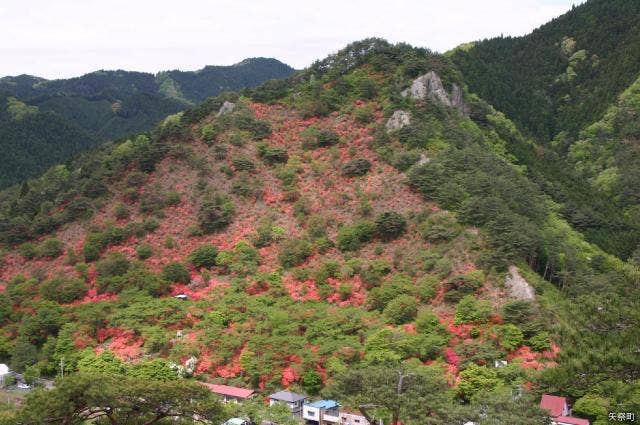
[[398, 120], [429, 86], [226, 108], [517, 286]]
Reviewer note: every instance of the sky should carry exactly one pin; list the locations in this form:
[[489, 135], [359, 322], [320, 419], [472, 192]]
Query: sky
[[65, 38]]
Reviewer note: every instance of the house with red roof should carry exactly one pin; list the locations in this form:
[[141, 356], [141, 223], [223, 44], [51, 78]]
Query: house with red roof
[[559, 411], [556, 406], [569, 420], [229, 393]]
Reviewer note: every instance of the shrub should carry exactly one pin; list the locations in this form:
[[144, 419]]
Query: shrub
[[172, 198], [243, 259], [356, 167], [51, 248], [215, 213], [427, 322], [390, 225], [144, 251], [294, 252], [175, 272], [28, 250], [115, 264], [272, 155], [511, 337], [476, 379], [326, 138], [461, 285], [471, 310], [401, 310], [121, 212], [243, 164], [204, 256], [63, 290], [426, 288], [351, 237], [209, 132], [312, 382], [439, 227], [540, 342]]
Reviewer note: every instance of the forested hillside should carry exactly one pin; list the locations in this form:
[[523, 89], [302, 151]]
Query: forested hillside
[[563, 75], [107, 105], [556, 82], [367, 218]]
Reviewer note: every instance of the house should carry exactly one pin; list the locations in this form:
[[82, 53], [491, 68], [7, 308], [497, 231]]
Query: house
[[569, 420], [230, 394], [556, 406], [559, 411], [321, 412], [292, 400], [350, 418], [4, 373]]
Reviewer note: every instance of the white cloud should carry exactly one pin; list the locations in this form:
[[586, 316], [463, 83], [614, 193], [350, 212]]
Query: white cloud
[[67, 37]]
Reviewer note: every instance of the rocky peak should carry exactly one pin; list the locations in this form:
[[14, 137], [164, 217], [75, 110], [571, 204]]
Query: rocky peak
[[429, 86], [226, 108]]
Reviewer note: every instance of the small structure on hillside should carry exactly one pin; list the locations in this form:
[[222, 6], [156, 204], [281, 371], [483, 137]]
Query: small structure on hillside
[[321, 412], [182, 297], [351, 418], [559, 411], [237, 421], [292, 400], [229, 393]]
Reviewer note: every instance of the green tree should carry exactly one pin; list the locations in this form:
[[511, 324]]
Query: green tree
[[390, 225], [312, 382], [204, 256], [176, 272], [398, 394], [401, 309], [118, 399]]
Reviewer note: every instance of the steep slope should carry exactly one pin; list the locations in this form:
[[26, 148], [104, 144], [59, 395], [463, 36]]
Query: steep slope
[[364, 215], [564, 74], [111, 104]]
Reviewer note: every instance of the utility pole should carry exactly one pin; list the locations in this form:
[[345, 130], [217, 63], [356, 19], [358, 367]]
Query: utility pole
[[62, 366]]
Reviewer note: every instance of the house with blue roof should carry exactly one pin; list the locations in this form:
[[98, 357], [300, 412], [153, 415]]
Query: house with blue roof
[[321, 412]]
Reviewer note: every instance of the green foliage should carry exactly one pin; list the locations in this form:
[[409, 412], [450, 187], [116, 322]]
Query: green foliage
[[294, 252], [144, 251], [175, 272], [352, 237], [242, 260], [471, 310], [243, 164], [390, 225], [63, 290], [592, 407], [204, 256], [312, 382], [356, 167], [115, 264], [510, 337], [155, 370], [272, 155], [209, 132], [215, 213], [118, 398], [540, 342], [50, 248], [401, 309], [477, 379]]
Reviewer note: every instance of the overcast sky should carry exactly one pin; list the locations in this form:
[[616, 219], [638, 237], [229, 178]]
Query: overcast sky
[[65, 38]]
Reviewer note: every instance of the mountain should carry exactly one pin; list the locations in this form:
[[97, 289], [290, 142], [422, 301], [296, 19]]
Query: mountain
[[563, 75], [106, 105], [367, 221], [556, 82]]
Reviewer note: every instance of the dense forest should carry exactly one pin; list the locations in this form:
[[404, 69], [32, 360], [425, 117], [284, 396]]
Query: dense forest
[[78, 113], [373, 229]]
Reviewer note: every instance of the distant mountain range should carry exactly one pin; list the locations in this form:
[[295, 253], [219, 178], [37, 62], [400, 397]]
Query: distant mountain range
[[43, 122]]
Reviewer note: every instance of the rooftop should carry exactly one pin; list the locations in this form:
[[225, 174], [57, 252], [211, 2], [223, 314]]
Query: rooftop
[[230, 391], [287, 396], [553, 404], [324, 404], [570, 420]]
